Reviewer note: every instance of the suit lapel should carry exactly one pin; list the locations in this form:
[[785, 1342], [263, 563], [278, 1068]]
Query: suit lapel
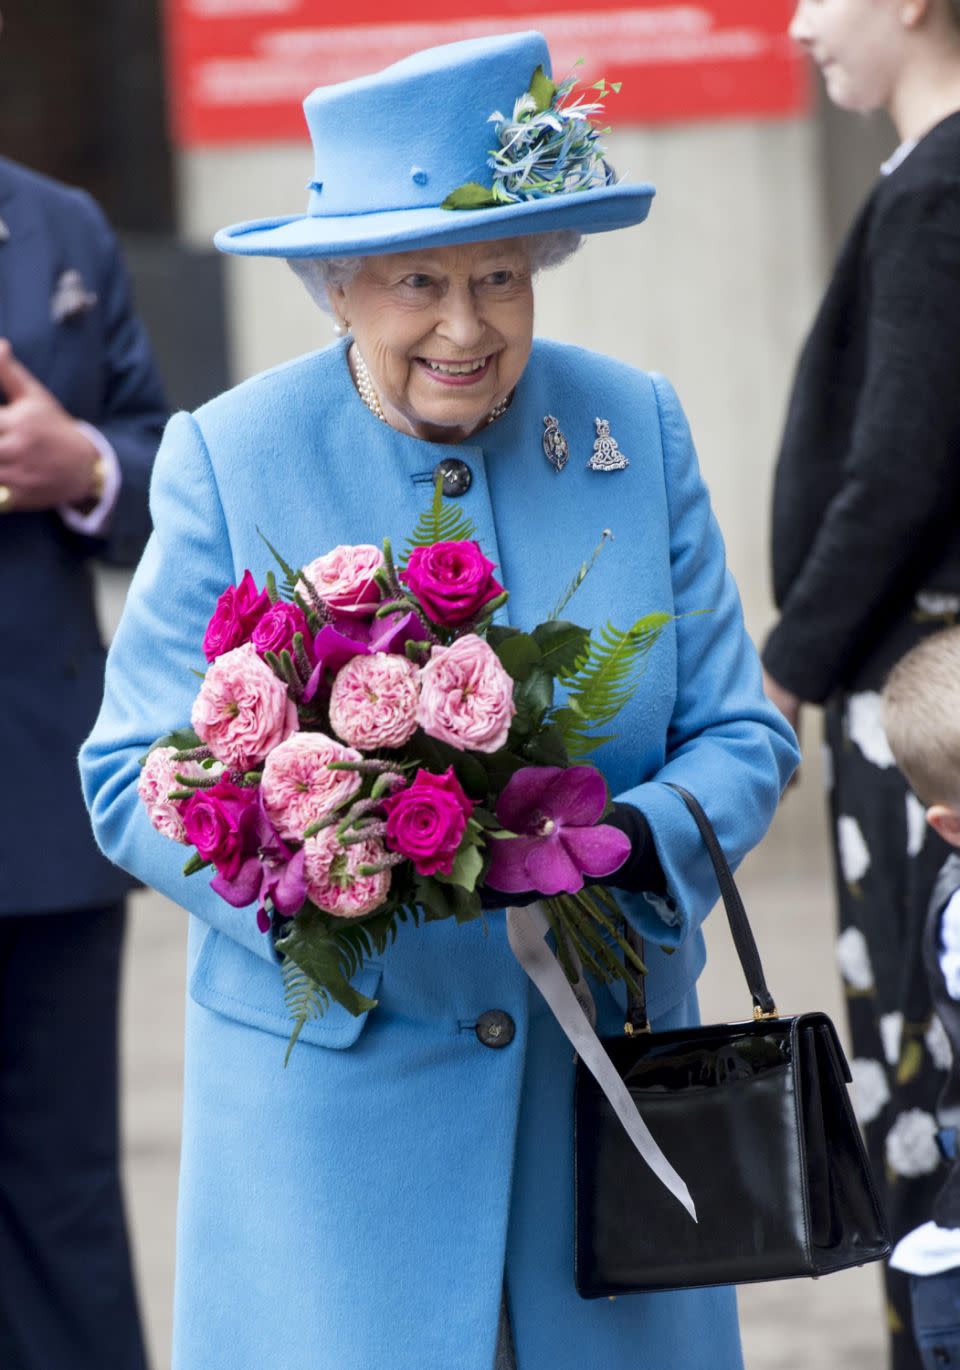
[[28, 273]]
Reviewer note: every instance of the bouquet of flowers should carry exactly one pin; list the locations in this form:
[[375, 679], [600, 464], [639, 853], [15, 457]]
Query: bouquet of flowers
[[368, 747]]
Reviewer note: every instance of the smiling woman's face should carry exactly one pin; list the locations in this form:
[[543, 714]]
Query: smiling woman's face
[[445, 332]]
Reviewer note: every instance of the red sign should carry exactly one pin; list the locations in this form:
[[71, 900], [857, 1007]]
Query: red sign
[[240, 68]]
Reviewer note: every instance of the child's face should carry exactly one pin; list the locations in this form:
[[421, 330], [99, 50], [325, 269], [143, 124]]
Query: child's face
[[857, 44]]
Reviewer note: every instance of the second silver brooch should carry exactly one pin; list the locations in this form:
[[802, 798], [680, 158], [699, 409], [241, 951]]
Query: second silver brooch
[[606, 453]]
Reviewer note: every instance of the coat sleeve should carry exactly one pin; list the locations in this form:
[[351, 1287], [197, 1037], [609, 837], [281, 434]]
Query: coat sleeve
[[901, 482], [131, 409], [726, 742], [150, 680]]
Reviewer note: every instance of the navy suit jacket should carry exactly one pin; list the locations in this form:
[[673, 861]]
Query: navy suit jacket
[[98, 364]]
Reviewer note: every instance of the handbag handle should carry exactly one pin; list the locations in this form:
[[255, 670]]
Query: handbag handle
[[743, 939]]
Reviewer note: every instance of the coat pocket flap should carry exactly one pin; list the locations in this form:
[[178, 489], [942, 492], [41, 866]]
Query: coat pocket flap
[[237, 984]]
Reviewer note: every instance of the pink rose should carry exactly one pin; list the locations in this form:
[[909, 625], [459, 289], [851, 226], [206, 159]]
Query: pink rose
[[242, 711], [344, 579], [452, 580], [157, 778], [277, 628], [426, 821], [238, 612], [466, 697], [334, 882], [373, 702], [217, 822], [298, 786]]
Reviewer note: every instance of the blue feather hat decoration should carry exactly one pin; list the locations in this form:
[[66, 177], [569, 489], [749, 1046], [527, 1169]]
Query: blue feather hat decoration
[[420, 154]]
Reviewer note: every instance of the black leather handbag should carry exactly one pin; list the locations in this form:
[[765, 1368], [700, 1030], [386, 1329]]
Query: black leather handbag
[[755, 1117]]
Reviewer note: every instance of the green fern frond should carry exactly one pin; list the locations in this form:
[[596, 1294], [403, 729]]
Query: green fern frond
[[604, 680], [304, 998], [444, 521], [291, 576]]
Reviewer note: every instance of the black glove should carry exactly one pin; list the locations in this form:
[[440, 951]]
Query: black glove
[[641, 872], [496, 899]]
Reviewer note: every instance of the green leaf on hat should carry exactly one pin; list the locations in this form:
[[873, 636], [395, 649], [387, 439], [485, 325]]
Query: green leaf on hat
[[542, 89], [472, 195]]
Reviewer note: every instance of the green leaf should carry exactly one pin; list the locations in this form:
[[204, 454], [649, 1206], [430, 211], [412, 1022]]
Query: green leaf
[[562, 645], [546, 748], [184, 739], [518, 654], [466, 867], [441, 900], [542, 89], [534, 695], [500, 632], [437, 757], [472, 195], [444, 521], [500, 766]]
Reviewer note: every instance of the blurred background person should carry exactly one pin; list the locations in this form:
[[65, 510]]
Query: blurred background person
[[866, 548], [81, 419]]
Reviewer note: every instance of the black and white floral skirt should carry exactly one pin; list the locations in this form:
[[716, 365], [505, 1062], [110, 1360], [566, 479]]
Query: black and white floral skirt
[[886, 863]]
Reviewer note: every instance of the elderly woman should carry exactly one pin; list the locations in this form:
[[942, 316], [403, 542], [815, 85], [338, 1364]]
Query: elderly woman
[[369, 1205]]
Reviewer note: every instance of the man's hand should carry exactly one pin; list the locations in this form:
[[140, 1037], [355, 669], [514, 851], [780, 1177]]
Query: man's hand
[[45, 459], [787, 703]]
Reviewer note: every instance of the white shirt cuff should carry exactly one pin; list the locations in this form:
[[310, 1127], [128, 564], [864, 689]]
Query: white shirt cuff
[[95, 523]]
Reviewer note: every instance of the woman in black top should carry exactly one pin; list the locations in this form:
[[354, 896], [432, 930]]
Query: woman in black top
[[866, 551]]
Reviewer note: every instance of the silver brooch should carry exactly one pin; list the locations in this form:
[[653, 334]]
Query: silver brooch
[[70, 297], [555, 447], [606, 454]]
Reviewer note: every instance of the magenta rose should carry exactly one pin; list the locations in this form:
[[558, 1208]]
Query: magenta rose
[[277, 628], [239, 610], [345, 579], [218, 821], [426, 821], [452, 580], [466, 697], [242, 711]]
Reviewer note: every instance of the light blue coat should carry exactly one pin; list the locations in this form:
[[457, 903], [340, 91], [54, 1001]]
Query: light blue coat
[[358, 1210]]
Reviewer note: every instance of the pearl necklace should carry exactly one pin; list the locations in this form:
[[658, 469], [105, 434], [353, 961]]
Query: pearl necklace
[[368, 393]]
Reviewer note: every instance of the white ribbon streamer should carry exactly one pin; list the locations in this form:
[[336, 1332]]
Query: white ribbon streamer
[[526, 930]]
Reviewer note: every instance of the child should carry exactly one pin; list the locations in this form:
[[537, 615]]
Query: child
[[921, 714]]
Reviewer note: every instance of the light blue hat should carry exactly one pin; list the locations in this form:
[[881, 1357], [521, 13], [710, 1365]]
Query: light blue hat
[[390, 148]]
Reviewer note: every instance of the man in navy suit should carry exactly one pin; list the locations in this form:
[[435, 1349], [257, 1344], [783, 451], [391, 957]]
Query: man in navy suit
[[80, 421]]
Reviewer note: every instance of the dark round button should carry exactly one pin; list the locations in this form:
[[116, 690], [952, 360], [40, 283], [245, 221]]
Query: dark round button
[[496, 1028], [456, 474]]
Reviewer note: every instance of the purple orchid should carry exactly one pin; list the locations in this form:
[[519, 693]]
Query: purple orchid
[[337, 643], [558, 841], [269, 869]]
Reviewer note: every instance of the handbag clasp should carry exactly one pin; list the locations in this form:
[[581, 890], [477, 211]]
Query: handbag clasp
[[760, 1016]]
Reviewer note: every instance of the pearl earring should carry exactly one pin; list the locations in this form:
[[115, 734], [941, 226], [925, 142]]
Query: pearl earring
[[340, 328]]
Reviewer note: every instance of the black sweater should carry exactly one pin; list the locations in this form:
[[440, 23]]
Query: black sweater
[[866, 505]]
